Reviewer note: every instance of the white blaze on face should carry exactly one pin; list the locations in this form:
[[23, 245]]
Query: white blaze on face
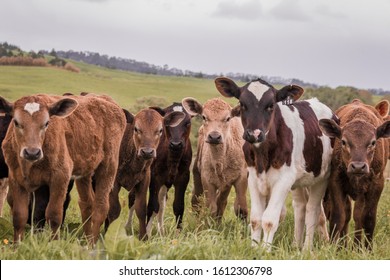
[[258, 89], [178, 109], [32, 107]]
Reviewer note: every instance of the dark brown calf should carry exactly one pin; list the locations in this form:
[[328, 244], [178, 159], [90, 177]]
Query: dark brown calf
[[53, 138], [170, 168], [359, 159], [137, 152], [5, 120]]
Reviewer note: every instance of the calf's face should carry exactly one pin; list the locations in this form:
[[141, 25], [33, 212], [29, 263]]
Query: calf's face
[[358, 141], [257, 103], [178, 135], [216, 115], [31, 118], [148, 127]]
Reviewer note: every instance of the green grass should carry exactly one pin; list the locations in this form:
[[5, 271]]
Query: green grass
[[200, 237]]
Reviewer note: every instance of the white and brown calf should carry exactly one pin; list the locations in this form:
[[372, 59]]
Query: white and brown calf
[[220, 162], [285, 150]]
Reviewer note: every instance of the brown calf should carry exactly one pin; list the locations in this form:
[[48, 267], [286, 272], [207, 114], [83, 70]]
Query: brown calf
[[359, 159], [50, 140], [220, 161], [137, 152]]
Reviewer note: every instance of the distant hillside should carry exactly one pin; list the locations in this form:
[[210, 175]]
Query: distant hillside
[[58, 59], [126, 64]]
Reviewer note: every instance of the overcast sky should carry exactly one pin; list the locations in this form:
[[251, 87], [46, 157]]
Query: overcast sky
[[340, 42]]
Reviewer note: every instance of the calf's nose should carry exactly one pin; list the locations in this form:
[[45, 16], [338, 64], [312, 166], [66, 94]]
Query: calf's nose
[[358, 167], [214, 137], [32, 154], [147, 153], [173, 145]]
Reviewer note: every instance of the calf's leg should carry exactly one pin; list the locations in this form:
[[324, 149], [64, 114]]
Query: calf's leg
[[86, 198], [55, 207], [19, 209]]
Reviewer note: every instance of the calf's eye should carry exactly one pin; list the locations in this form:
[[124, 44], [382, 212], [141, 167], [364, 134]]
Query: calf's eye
[[17, 124]]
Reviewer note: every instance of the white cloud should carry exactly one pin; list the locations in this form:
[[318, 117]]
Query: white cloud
[[247, 10], [290, 10]]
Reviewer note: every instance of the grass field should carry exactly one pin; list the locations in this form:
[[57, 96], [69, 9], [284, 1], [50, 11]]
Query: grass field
[[200, 237]]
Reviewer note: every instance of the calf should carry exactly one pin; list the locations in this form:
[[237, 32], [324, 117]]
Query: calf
[[284, 150], [220, 162], [137, 152], [170, 168], [53, 138], [359, 159]]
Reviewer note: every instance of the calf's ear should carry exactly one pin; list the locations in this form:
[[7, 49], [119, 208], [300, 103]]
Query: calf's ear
[[63, 107], [5, 106], [293, 92], [383, 108], [129, 116], [235, 112], [158, 109], [192, 106], [227, 87], [174, 118], [383, 131], [330, 128]]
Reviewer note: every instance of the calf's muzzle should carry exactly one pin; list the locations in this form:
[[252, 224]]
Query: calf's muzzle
[[32, 154], [358, 167]]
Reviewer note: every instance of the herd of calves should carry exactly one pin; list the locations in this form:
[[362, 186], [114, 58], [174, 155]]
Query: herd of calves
[[272, 143]]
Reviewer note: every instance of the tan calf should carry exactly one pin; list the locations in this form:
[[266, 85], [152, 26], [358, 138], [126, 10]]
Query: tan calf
[[220, 161], [52, 139]]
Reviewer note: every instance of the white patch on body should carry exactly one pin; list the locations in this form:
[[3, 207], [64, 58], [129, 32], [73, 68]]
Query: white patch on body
[[178, 109], [258, 89], [32, 107], [323, 112]]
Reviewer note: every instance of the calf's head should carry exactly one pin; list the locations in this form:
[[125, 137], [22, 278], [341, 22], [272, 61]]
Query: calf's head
[[176, 135], [31, 118], [216, 115], [257, 103], [148, 127], [358, 140]]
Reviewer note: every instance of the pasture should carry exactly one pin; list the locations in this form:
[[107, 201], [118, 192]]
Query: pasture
[[200, 237]]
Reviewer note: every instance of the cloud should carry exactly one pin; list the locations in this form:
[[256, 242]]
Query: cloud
[[290, 10], [326, 11], [248, 10]]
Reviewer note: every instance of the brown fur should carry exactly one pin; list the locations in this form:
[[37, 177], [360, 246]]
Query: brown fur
[[82, 139], [3, 193], [359, 159], [137, 152], [220, 161]]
